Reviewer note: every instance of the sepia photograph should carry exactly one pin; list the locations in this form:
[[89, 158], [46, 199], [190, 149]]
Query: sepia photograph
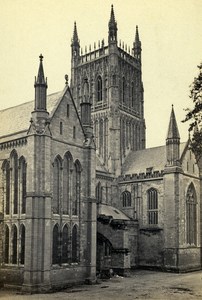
[[100, 149]]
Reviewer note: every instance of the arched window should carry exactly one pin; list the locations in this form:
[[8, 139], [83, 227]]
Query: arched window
[[152, 198], [6, 170], [23, 179], [14, 176], [75, 244], [22, 244], [126, 199], [133, 95], [55, 249], [99, 88], [123, 89], [98, 193], [101, 138], [67, 172], [76, 187], [6, 251], [191, 217], [65, 244], [14, 244], [56, 184]]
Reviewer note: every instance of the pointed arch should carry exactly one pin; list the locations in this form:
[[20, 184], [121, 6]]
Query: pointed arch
[[86, 90], [126, 199], [22, 244], [101, 137], [65, 244], [98, 192], [76, 187], [6, 244], [23, 183], [14, 180], [99, 88], [123, 89], [67, 178], [7, 185], [191, 215], [75, 244], [55, 245], [133, 94], [152, 204], [14, 244], [56, 183]]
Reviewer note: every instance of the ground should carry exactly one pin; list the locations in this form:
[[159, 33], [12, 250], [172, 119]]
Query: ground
[[139, 285]]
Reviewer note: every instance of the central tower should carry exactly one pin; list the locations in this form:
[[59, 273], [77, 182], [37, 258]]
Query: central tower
[[114, 74]]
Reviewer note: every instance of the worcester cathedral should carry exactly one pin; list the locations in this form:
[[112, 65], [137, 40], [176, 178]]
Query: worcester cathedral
[[80, 193]]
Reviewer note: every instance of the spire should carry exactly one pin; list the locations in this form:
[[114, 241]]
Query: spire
[[137, 48], [112, 36], [75, 35], [173, 142], [40, 87], [40, 78], [75, 43], [137, 39], [173, 132]]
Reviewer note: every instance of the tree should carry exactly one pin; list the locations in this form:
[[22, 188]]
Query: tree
[[195, 115]]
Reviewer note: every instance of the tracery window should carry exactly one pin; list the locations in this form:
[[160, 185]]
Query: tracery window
[[191, 217], [126, 199], [99, 88], [152, 198]]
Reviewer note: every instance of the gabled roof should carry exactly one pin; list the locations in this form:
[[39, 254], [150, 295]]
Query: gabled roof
[[155, 158], [17, 119]]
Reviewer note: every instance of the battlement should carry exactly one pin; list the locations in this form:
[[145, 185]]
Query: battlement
[[140, 176]]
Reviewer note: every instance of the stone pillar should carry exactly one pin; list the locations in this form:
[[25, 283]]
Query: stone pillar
[[38, 207]]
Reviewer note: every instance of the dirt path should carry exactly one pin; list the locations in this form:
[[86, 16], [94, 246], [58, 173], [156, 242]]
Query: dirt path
[[140, 285]]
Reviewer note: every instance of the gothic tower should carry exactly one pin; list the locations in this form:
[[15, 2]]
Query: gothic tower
[[114, 75]]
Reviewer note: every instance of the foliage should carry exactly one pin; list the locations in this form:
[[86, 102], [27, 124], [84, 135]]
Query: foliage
[[195, 115]]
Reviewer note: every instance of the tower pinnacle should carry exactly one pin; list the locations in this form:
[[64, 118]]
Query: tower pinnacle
[[75, 35], [137, 49], [40, 78], [40, 87], [75, 43], [112, 36], [173, 132], [173, 142]]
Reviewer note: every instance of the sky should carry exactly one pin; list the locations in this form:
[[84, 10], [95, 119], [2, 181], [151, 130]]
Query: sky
[[170, 32]]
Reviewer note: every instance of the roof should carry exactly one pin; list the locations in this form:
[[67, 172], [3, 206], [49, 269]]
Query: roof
[[138, 161], [17, 119], [172, 128], [110, 211]]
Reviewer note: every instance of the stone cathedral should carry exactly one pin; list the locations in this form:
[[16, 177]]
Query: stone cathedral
[[80, 193]]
